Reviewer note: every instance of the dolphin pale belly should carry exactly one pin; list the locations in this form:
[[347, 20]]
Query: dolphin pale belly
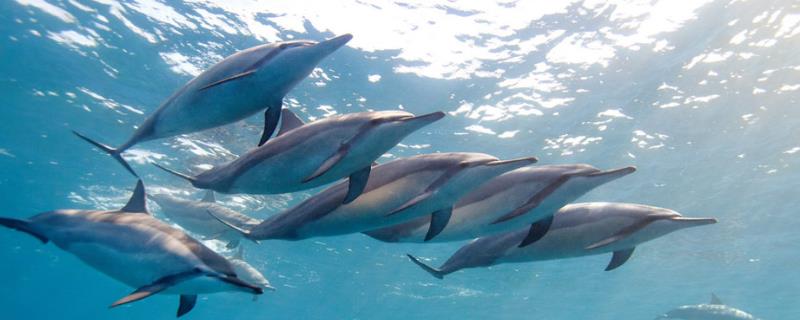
[[509, 202], [247, 272], [314, 154], [577, 230], [396, 191], [134, 248], [235, 88], [714, 310], [193, 216]]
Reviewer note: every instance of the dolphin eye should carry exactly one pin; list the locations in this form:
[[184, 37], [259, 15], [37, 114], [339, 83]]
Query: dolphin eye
[[463, 164]]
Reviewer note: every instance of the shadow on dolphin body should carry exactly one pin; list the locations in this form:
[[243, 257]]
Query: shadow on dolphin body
[[235, 88], [137, 249], [578, 230]]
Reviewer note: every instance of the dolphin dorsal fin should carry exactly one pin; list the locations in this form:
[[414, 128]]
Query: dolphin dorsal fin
[[715, 299], [209, 197], [289, 121], [137, 202], [239, 255]]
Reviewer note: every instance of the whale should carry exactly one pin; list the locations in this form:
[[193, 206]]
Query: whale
[[193, 216], [233, 89], [133, 247], [247, 272], [714, 310], [396, 191], [527, 196], [580, 229], [305, 156]]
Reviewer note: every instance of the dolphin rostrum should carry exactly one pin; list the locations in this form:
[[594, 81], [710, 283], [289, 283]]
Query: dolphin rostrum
[[235, 88], [524, 197], [137, 249], [714, 310], [396, 191], [314, 154], [578, 230], [193, 216]]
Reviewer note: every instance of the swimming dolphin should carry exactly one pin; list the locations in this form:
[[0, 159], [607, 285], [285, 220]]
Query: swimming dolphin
[[513, 200], [235, 88], [396, 191], [714, 310], [247, 272], [578, 230], [304, 156], [134, 248], [193, 216]]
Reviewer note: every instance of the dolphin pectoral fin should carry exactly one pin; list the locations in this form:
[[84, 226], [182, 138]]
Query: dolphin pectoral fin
[[439, 220], [411, 203], [24, 226], [114, 153], [157, 286], [356, 184], [619, 258], [622, 234], [433, 271], [534, 201], [232, 244], [271, 117], [138, 202], [289, 122], [715, 300], [176, 173], [209, 197], [537, 231], [243, 232], [329, 163], [187, 304], [231, 78]]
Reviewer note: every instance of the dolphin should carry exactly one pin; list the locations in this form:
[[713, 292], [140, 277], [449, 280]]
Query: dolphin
[[578, 230], [137, 249], [396, 191], [305, 156], [714, 310], [193, 216], [247, 272], [513, 200], [235, 88]]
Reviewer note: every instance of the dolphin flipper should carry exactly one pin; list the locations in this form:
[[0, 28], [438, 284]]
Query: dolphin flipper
[[439, 220], [289, 122], [429, 191], [157, 286], [24, 226], [138, 202], [619, 258], [356, 184], [114, 153], [535, 201], [411, 202], [622, 234], [537, 231], [329, 163], [209, 197], [231, 78], [187, 304], [271, 117], [433, 271], [232, 244]]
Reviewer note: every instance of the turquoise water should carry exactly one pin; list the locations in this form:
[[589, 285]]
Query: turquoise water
[[701, 96]]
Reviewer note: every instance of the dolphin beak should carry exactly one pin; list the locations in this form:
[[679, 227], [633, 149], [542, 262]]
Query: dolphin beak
[[331, 45], [424, 119], [519, 163], [614, 174], [693, 222]]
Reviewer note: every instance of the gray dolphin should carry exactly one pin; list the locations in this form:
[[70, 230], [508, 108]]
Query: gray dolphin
[[193, 216], [578, 230], [134, 248], [513, 200], [247, 272], [314, 154], [235, 88], [397, 191], [714, 310]]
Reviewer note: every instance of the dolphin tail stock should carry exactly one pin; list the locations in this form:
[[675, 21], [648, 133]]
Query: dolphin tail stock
[[114, 153], [439, 274], [24, 226]]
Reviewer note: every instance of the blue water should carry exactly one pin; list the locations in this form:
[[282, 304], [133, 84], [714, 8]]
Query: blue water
[[701, 96]]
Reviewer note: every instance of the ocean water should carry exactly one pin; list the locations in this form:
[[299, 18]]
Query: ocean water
[[701, 96]]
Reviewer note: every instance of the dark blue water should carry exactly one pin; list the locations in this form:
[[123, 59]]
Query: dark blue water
[[701, 96]]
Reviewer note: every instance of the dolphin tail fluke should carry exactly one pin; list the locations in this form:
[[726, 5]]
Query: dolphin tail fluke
[[439, 274], [176, 173], [22, 225], [114, 153]]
